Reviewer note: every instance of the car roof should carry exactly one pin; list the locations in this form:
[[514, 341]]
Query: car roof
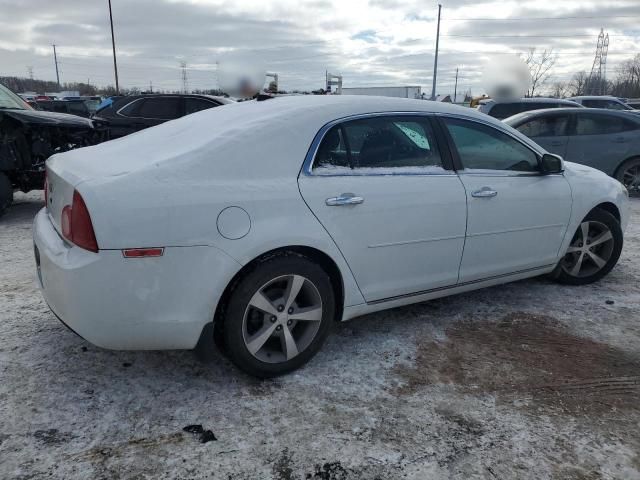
[[596, 97], [266, 138], [527, 100], [519, 117]]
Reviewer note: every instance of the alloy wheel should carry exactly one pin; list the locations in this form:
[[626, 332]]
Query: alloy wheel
[[589, 251], [631, 179], [282, 318]]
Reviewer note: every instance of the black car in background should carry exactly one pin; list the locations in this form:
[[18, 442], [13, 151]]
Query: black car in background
[[72, 107], [130, 114]]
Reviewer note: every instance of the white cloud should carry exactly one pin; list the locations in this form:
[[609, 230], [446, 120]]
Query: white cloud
[[372, 42]]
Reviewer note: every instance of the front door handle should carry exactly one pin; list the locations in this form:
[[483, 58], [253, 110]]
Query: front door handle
[[344, 199], [484, 192], [620, 140]]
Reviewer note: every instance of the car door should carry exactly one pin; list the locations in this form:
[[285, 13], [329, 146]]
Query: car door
[[386, 193], [517, 217], [549, 130], [601, 140]]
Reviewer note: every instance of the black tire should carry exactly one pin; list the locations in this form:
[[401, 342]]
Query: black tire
[[6, 193], [629, 167], [600, 218], [275, 273]]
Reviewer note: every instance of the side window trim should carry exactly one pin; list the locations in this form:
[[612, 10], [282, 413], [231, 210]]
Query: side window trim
[[128, 104], [310, 158], [486, 173]]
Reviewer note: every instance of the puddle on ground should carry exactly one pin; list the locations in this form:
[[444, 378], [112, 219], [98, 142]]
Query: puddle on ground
[[528, 360]]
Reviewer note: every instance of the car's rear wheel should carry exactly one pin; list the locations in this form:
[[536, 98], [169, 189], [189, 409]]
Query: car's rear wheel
[[6, 193], [593, 251], [278, 316], [629, 175]]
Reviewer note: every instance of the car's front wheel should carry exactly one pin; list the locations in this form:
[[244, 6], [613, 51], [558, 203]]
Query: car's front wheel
[[278, 315], [629, 175], [594, 250]]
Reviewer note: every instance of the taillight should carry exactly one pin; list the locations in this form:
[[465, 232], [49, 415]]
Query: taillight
[[76, 224]]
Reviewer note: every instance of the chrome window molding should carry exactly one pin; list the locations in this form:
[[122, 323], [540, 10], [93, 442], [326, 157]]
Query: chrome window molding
[[118, 112], [307, 166]]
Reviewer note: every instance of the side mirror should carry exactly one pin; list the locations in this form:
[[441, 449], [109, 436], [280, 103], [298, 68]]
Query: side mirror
[[551, 164]]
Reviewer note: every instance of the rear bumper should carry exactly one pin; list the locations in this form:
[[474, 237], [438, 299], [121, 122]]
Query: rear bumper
[[130, 304]]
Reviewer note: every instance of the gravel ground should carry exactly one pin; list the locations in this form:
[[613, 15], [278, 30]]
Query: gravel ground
[[529, 380]]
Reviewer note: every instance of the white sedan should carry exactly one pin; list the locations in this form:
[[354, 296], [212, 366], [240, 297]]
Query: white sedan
[[273, 219]]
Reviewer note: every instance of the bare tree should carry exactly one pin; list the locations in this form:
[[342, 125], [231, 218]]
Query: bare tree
[[559, 89], [627, 82], [578, 83], [540, 65]]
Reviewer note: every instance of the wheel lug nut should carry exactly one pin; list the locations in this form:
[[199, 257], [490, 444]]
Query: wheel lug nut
[[279, 327], [280, 308], [273, 319], [290, 311], [289, 322]]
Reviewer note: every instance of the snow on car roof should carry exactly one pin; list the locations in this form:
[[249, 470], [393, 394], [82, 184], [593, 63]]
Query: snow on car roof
[[267, 138]]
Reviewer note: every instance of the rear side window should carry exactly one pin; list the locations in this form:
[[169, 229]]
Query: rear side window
[[481, 147], [594, 124], [193, 105], [379, 144], [547, 126], [131, 109], [504, 110], [163, 108]]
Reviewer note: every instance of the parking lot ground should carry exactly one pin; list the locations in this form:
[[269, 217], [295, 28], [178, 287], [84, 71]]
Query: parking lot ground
[[529, 380]]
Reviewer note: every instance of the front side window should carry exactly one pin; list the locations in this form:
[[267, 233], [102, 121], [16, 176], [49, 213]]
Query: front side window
[[163, 108], [594, 124], [547, 126], [399, 144], [481, 147]]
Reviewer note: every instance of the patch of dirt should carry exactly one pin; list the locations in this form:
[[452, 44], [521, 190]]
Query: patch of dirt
[[529, 360]]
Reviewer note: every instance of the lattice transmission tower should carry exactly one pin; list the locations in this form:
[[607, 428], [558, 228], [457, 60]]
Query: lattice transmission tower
[[596, 83], [185, 81]]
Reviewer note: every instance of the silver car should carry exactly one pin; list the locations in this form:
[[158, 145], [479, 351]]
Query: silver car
[[608, 140]]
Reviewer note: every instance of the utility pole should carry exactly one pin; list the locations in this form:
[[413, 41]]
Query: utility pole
[[30, 72], [455, 89], [150, 86], [113, 45], [435, 62], [55, 59]]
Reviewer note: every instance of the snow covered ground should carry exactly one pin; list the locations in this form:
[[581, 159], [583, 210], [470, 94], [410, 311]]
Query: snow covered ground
[[529, 380]]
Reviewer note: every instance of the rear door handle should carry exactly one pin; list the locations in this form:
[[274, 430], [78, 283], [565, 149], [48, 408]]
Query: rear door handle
[[484, 192], [344, 199], [620, 140]]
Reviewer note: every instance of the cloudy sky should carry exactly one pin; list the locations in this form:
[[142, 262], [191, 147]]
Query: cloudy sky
[[369, 42]]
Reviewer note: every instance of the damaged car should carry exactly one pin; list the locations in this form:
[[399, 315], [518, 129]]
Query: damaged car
[[28, 137]]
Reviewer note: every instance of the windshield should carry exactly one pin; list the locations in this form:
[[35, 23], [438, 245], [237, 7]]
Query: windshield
[[8, 99]]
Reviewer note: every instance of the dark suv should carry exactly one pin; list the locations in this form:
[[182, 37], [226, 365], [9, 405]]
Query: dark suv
[[126, 115], [504, 108]]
